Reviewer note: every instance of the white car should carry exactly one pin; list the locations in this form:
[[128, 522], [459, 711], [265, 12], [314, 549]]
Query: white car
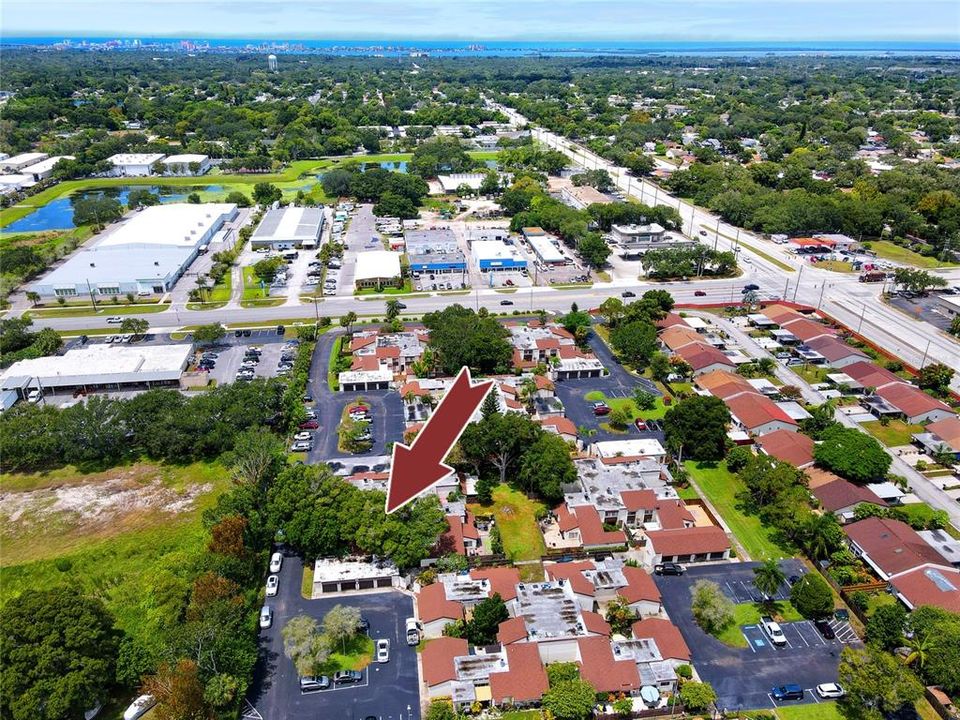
[[266, 616], [830, 690], [304, 435], [383, 650], [276, 561], [34, 395], [139, 707], [115, 320], [273, 583]]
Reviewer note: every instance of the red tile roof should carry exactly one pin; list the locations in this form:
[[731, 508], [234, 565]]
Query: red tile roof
[[665, 634], [548, 344], [561, 332], [412, 387], [948, 430], [842, 493], [525, 680], [595, 623], [511, 631], [716, 378], [870, 374], [458, 529], [503, 580], [781, 313], [910, 400], [792, 447], [543, 383], [432, 604], [673, 514], [678, 336], [365, 362], [640, 586], [756, 410], [357, 343], [937, 586], [591, 528], [572, 572], [634, 500], [893, 546], [805, 330], [833, 349], [560, 425], [688, 541], [389, 351], [669, 320], [599, 668], [437, 659]]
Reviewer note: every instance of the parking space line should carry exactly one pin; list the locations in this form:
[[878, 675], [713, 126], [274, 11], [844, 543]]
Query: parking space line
[[813, 694], [749, 643]]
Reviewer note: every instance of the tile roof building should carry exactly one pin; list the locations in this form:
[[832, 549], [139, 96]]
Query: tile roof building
[[788, 446], [890, 547]]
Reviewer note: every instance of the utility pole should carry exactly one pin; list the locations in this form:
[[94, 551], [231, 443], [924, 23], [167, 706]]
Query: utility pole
[[823, 286], [862, 312], [924, 360], [93, 300], [797, 286]]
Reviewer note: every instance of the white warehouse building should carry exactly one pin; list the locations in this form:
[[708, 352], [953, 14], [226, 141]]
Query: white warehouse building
[[184, 164], [134, 164], [145, 255], [284, 228]]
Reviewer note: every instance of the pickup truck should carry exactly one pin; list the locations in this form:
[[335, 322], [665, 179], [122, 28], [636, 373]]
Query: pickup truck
[[414, 628], [773, 630]]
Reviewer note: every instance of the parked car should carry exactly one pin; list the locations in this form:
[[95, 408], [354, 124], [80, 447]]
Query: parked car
[[841, 614], [641, 424], [700, 293], [309, 425], [772, 630], [304, 435], [276, 562], [138, 708], [266, 616], [628, 293], [302, 446], [600, 408], [273, 584], [383, 650], [791, 691], [313, 684], [825, 629], [830, 690], [668, 568], [280, 329], [34, 395], [246, 333], [347, 677]]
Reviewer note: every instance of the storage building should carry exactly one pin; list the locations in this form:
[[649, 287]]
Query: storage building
[[134, 164], [284, 228]]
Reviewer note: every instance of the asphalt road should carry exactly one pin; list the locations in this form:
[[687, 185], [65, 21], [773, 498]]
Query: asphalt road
[[743, 677], [389, 691]]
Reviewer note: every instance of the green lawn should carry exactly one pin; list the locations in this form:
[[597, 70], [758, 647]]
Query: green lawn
[[721, 488], [896, 432], [750, 613], [522, 715], [407, 288], [840, 266], [106, 309], [357, 654], [515, 515], [656, 413], [878, 600], [889, 251], [823, 710], [811, 373]]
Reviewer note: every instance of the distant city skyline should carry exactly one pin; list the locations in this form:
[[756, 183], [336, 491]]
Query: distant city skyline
[[492, 20]]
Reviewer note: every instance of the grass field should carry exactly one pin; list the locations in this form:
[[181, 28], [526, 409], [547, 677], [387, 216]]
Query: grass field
[[406, 289], [721, 488], [896, 432], [106, 309], [357, 654], [749, 614], [889, 251], [839, 266], [823, 710], [515, 515], [811, 373], [131, 536]]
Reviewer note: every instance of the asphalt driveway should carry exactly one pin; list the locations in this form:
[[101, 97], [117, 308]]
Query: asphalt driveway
[[389, 691], [743, 677]]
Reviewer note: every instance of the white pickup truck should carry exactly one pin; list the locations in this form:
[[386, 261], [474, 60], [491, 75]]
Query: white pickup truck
[[773, 630], [414, 630]]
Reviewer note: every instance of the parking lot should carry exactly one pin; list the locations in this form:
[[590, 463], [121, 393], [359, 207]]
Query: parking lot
[[924, 308], [743, 677], [231, 357], [388, 691]]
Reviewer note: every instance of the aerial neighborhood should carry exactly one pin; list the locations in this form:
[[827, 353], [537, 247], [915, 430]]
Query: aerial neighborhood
[[425, 383]]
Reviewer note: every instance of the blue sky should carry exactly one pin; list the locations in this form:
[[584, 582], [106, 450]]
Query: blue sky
[[570, 20]]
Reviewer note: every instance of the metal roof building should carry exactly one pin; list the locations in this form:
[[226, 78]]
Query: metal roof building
[[376, 268], [288, 227]]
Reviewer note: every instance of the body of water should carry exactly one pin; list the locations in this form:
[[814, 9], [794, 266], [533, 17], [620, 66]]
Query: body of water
[[58, 214]]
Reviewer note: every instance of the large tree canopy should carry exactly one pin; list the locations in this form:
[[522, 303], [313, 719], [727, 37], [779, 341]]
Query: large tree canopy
[[852, 454], [699, 426], [462, 337]]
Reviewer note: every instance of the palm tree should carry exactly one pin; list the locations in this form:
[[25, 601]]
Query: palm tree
[[919, 645], [768, 578], [33, 297], [528, 388], [348, 320], [822, 536], [393, 309]]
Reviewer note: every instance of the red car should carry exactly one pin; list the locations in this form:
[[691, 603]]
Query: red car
[[309, 425], [641, 425], [600, 409], [700, 293]]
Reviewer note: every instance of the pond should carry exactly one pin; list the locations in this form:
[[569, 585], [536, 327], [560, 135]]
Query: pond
[[399, 166], [58, 214]]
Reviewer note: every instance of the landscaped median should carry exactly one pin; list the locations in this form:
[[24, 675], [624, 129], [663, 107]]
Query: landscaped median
[[750, 614], [103, 308]]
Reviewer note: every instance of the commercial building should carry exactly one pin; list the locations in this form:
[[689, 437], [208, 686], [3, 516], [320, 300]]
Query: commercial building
[[15, 183], [583, 196], [100, 366], [451, 183], [188, 164], [134, 164], [377, 268], [19, 162], [288, 227], [544, 246], [44, 169], [496, 255], [638, 239], [145, 255], [434, 252]]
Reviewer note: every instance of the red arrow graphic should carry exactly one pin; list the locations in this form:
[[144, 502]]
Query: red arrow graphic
[[419, 466]]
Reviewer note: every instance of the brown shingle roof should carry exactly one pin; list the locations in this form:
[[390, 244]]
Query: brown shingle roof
[[689, 541], [938, 586], [792, 447], [599, 668], [911, 401], [595, 623], [432, 604], [893, 546], [833, 349], [841, 493], [699, 356], [870, 374], [948, 430], [525, 680]]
